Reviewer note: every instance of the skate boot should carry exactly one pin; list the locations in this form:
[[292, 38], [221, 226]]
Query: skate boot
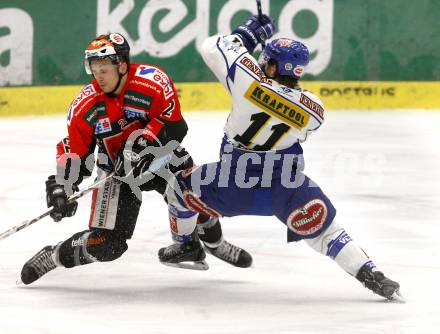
[[231, 254], [377, 282], [187, 256], [39, 265]]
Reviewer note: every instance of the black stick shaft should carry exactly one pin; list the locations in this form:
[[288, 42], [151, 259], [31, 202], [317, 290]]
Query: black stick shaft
[[260, 17], [29, 222]]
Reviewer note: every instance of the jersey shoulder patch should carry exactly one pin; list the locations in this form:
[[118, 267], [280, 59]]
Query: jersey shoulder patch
[[157, 76], [76, 106], [250, 65], [313, 103]]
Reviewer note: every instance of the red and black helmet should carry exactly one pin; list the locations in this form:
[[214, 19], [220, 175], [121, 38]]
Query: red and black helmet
[[113, 46]]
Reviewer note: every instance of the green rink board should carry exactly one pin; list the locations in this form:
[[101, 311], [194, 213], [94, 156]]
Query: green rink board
[[42, 42]]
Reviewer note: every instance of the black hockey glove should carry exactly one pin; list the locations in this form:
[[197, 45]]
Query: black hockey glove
[[252, 31], [57, 198], [132, 159]]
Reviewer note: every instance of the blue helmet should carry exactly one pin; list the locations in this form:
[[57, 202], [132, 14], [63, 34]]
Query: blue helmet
[[290, 56]]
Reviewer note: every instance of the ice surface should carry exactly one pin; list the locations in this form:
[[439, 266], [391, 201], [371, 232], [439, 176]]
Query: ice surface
[[381, 170]]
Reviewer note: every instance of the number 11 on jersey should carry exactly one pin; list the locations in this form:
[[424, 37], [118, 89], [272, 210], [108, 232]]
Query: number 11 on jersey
[[258, 122]]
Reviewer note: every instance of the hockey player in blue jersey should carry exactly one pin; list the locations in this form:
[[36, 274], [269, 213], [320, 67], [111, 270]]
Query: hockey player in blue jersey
[[261, 165]]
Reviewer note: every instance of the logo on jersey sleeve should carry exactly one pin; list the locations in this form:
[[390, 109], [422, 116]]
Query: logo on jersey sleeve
[[312, 105], [85, 93], [277, 106], [103, 125], [156, 75]]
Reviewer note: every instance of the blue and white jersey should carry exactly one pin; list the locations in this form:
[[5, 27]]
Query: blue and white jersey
[[265, 115]]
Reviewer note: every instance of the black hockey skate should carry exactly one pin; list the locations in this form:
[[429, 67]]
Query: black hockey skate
[[39, 265], [187, 256], [231, 254], [377, 282]]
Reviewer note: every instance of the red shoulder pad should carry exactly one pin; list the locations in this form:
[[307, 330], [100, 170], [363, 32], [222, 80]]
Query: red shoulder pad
[[79, 103], [156, 77]]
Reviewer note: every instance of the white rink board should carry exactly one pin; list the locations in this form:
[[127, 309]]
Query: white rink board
[[380, 169]]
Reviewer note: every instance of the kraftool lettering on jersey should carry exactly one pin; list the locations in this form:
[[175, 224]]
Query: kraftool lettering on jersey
[[137, 99], [309, 218], [277, 106]]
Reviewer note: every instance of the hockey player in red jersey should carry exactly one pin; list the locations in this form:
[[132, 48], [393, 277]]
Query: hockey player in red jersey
[[260, 171], [126, 110]]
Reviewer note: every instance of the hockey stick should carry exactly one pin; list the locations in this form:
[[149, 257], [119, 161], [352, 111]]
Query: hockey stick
[[29, 222], [260, 18]]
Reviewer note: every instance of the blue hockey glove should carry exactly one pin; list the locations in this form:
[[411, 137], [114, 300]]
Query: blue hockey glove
[[252, 31]]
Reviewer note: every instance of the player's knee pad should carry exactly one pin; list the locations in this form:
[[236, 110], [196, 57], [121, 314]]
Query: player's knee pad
[[89, 246], [105, 245]]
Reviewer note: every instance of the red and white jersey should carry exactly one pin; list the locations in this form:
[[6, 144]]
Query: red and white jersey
[[147, 101], [265, 115]]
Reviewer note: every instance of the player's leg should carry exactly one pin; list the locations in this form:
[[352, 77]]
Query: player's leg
[[186, 251], [309, 215], [210, 232], [209, 229], [113, 218], [335, 243]]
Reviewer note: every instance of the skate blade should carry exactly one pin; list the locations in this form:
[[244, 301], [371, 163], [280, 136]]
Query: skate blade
[[397, 297], [198, 265]]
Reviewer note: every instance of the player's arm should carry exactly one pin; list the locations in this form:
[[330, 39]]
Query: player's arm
[[168, 125], [73, 164], [220, 53], [313, 106], [75, 154], [162, 134]]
